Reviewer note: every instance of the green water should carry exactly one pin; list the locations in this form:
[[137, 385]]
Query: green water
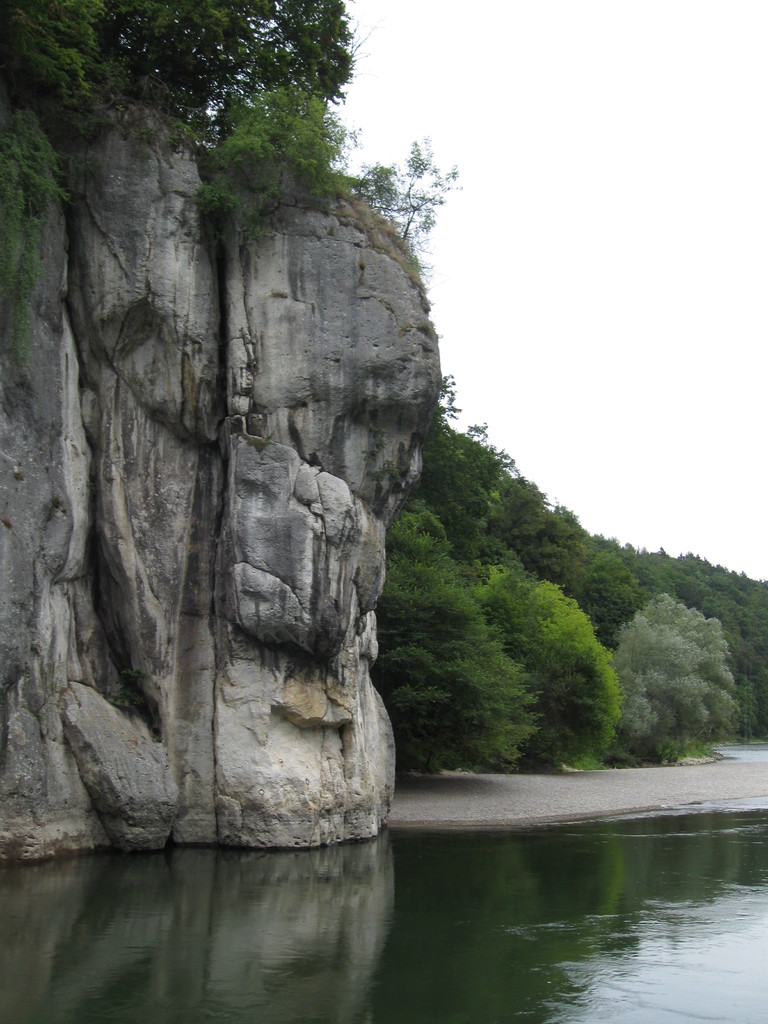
[[649, 920]]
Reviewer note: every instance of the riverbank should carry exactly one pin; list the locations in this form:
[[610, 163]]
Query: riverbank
[[455, 800]]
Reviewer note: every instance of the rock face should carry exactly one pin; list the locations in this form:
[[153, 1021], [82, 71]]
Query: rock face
[[124, 769], [199, 455]]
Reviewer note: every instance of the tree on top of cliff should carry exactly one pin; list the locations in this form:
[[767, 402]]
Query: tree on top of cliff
[[50, 48], [191, 58], [409, 196], [199, 56]]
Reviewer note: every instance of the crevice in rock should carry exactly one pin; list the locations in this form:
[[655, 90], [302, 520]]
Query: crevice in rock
[[217, 584], [221, 282], [295, 435]]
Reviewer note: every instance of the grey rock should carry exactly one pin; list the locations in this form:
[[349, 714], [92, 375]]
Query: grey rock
[[199, 456], [295, 566], [332, 345], [125, 771]]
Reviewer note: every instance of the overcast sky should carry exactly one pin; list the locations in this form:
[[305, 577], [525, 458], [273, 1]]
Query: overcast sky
[[600, 284]]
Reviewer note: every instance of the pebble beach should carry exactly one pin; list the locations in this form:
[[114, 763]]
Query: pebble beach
[[458, 800]]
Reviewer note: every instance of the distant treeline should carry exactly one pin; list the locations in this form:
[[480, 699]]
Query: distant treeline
[[501, 616]]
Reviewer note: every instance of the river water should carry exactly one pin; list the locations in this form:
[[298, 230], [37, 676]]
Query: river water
[[745, 753], [651, 920]]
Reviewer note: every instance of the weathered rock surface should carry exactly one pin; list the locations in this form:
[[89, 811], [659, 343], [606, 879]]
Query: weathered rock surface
[[125, 771], [199, 455]]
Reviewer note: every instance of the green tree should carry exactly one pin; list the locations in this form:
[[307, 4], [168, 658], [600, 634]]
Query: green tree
[[609, 594], [284, 138], [460, 480], [678, 689], [569, 673], [741, 605], [454, 697], [548, 541], [199, 56], [50, 47], [409, 196], [192, 58]]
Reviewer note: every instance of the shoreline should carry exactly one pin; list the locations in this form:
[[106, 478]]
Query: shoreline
[[461, 801]]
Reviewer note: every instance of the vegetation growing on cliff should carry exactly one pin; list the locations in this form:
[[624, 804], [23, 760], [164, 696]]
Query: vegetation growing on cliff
[[250, 81], [283, 135], [408, 196], [29, 183], [194, 59]]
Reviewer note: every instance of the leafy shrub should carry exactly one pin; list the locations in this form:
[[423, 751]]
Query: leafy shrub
[[129, 692], [280, 140]]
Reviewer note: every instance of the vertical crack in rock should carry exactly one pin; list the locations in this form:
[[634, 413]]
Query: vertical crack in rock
[[215, 601]]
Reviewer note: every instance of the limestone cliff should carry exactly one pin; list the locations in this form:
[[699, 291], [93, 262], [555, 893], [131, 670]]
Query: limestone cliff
[[199, 456]]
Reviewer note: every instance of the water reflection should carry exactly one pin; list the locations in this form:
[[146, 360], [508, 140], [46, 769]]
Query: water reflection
[[697, 963], [543, 926], [195, 935], [647, 919]]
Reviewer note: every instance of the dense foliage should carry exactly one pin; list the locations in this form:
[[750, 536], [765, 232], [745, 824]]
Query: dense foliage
[[282, 139], [559, 601], [435, 667], [192, 58], [568, 671], [454, 696], [201, 55], [51, 48]]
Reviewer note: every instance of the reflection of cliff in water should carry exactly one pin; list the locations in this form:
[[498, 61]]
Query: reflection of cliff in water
[[195, 934]]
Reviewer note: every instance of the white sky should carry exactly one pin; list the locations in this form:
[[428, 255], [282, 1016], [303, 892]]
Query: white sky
[[600, 283]]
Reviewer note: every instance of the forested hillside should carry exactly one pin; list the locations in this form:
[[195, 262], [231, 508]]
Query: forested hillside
[[496, 598]]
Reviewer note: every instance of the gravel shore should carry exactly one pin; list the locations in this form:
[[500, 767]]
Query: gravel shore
[[455, 800]]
